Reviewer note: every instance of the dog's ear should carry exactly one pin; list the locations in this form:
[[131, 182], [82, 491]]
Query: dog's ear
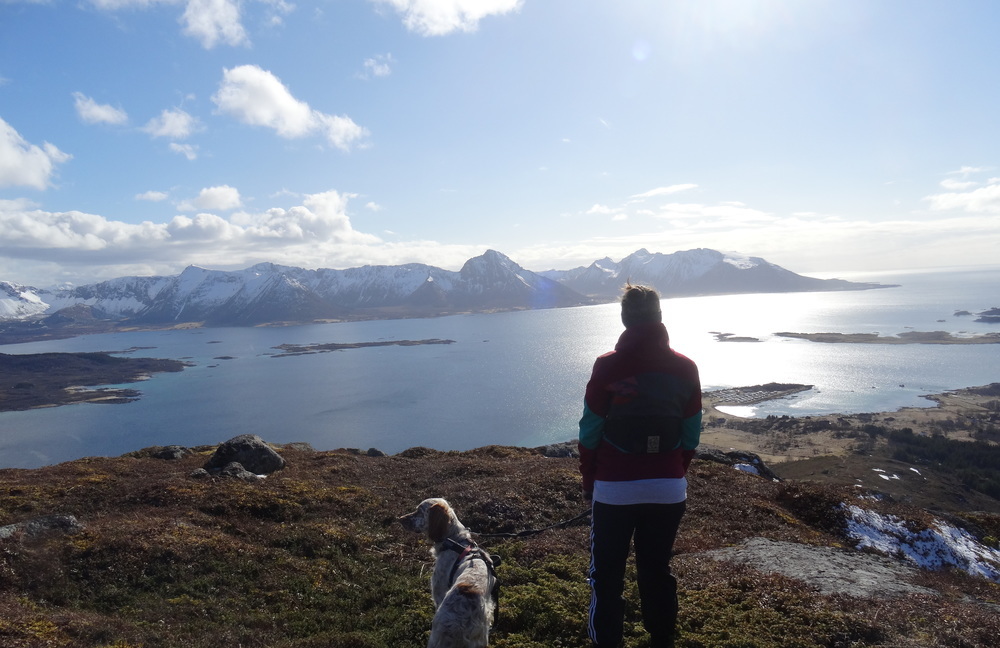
[[438, 522]]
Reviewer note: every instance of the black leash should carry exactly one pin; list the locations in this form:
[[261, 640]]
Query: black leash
[[531, 532]]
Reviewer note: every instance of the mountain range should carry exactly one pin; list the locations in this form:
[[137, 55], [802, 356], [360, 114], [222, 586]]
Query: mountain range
[[268, 293]]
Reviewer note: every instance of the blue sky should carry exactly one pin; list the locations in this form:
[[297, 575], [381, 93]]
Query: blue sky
[[830, 137]]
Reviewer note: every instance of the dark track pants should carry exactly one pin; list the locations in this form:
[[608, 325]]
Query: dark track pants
[[654, 527]]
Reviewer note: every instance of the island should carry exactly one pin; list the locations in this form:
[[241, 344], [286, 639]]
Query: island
[[906, 337], [327, 347], [36, 380]]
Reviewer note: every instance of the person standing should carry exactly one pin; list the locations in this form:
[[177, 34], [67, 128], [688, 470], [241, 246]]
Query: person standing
[[640, 426]]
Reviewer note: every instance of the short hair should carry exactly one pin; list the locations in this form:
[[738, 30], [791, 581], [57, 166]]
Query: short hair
[[640, 305]]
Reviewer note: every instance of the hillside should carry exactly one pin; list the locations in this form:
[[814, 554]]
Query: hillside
[[312, 556]]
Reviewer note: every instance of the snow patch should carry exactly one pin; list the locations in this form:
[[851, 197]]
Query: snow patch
[[747, 468], [938, 546]]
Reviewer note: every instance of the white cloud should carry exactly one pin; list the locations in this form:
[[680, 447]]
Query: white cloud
[[152, 196], [210, 21], [663, 191], [440, 17], [967, 170], [957, 185], [373, 206], [190, 151], [984, 200], [221, 198], [213, 22], [26, 165], [172, 123], [377, 66], [315, 233], [600, 209], [92, 112], [722, 215], [256, 97]]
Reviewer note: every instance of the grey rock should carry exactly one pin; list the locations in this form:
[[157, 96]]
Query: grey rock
[[735, 457], [831, 570], [171, 453], [37, 527], [235, 470], [249, 450]]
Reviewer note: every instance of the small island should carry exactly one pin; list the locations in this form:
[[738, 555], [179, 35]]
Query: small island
[[729, 337], [906, 337], [327, 347], [37, 380]]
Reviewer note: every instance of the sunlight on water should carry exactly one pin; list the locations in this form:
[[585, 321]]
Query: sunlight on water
[[510, 378]]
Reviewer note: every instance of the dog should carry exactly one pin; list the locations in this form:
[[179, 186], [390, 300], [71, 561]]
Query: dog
[[463, 585]]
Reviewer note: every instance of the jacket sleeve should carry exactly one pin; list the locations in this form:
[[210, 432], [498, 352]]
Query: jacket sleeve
[[691, 425], [591, 432], [592, 428]]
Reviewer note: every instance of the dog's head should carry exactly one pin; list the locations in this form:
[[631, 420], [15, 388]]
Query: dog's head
[[434, 517]]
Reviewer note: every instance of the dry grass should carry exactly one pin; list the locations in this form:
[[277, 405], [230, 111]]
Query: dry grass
[[313, 557]]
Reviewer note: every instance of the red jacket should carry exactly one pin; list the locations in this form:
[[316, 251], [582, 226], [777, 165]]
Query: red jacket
[[643, 353]]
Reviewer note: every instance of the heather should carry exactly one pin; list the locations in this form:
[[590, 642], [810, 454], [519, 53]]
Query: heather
[[312, 556]]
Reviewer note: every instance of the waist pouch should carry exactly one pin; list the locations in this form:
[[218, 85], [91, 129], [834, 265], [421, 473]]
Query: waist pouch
[[643, 434]]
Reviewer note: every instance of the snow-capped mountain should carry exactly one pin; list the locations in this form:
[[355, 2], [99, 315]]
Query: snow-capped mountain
[[271, 293], [20, 302], [692, 272], [267, 293]]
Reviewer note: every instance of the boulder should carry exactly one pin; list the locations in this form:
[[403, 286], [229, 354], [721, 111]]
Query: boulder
[[31, 529], [741, 460], [250, 451], [171, 453]]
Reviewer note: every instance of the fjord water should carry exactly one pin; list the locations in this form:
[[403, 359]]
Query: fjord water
[[509, 378]]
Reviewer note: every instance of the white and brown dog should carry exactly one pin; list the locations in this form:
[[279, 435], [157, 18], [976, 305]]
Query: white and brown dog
[[463, 584]]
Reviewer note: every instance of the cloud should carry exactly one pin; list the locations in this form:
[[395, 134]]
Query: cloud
[[378, 66], [663, 191], [440, 17], [316, 232], [221, 198], [984, 200], [152, 196], [92, 112], [602, 209], [256, 97], [213, 22], [172, 123], [957, 185], [190, 151], [26, 165], [967, 170]]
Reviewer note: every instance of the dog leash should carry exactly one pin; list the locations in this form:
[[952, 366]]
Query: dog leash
[[531, 532]]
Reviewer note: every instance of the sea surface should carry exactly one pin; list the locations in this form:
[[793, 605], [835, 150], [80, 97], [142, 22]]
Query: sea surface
[[509, 378]]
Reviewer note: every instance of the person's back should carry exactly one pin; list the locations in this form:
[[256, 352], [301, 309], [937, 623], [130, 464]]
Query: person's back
[[638, 433]]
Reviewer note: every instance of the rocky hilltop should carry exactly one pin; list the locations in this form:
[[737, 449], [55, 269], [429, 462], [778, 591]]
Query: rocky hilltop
[[187, 547]]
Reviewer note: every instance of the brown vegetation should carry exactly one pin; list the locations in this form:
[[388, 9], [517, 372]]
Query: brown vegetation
[[312, 556]]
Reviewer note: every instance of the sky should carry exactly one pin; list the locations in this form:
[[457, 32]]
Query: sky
[[138, 137]]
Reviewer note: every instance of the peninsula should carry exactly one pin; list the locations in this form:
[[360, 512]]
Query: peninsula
[[50, 379]]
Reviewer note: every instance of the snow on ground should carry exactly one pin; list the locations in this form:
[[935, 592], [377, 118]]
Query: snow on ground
[[938, 546]]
